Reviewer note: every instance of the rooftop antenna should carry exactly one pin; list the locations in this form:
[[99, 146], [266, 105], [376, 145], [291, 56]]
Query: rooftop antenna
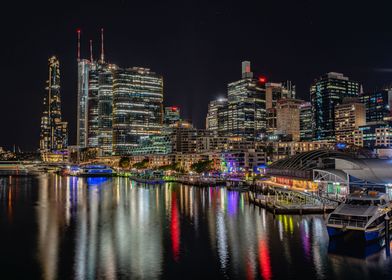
[[78, 44], [91, 51], [102, 52]]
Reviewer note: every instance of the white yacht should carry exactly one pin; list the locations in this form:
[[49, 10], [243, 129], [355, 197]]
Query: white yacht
[[363, 212]]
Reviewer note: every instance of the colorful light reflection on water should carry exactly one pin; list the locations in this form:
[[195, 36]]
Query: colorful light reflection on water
[[113, 228]]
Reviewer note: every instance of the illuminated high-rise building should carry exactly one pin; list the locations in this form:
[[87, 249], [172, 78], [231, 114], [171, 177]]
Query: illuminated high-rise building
[[54, 132], [325, 93], [273, 93], [172, 115], [82, 108], [137, 107], [305, 121], [378, 105], [245, 113], [288, 117], [349, 116], [212, 119], [105, 109]]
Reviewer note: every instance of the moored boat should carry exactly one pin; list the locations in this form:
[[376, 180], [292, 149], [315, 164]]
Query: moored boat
[[363, 212]]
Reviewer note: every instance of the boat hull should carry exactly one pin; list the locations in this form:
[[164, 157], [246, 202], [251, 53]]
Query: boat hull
[[365, 235]]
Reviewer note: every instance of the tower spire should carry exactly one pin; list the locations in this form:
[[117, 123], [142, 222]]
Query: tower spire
[[78, 44], [91, 51], [102, 50]]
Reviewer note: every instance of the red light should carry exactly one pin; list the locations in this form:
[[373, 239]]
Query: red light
[[78, 30], [262, 79]]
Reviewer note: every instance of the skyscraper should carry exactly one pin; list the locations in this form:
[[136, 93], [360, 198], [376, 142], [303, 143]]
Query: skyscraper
[[325, 93], [137, 107], [212, 119], [82, 109], [378, 104], [273, 93], [305, 121], [54, 134], [245, 113], [105, 109]]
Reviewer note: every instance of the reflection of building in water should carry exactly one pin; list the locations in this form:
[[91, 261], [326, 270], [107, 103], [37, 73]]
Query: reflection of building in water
[[51, 215], [118, 227]]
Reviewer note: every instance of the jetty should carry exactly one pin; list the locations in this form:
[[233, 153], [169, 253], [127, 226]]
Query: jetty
[[288, 201]]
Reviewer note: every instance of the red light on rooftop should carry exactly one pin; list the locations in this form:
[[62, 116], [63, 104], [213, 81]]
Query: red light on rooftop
[[262, 79], [78, 30]]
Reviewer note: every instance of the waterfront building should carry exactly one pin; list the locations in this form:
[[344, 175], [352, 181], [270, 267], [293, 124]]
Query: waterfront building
[[305, 121], [184, 137], [172, 115], [153, 145], [245, 114], [348, 117], [378, 105], [326, 92], [288, 117], [213, 143], [212, 119], [277, 150], [105, 109], [242, 161], [54, 131], [137, 107]]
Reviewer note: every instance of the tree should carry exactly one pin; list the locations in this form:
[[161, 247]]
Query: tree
[[124, 162], [141, 165], [202, 166]]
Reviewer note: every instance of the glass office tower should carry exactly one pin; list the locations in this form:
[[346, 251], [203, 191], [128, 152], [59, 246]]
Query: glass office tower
[[325, 93], [137, 107]]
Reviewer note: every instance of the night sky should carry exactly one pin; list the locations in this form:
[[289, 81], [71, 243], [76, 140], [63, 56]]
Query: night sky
[[196, 45]]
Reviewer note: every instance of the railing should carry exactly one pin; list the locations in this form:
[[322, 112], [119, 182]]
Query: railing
[[350, 223]]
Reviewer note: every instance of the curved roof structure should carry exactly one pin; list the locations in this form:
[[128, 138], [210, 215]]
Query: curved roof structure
[[309, 160], [372, 170], [362, 171]]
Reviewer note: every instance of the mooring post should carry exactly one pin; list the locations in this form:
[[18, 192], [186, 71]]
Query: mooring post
[[387, 243]]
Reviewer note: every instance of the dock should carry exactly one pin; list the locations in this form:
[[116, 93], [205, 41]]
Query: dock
[[288, 201]]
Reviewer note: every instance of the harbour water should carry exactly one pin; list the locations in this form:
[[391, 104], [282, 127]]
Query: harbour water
[[54, 227]]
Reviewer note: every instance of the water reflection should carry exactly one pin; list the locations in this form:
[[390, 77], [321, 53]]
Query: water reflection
[[114, 228]]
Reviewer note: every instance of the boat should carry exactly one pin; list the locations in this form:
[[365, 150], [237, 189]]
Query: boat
[[95, 170], [364, 213]]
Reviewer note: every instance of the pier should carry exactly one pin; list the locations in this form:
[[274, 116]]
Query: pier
[[280, 200]]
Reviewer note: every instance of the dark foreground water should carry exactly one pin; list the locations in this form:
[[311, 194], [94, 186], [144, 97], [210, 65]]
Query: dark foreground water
[[54, 227]]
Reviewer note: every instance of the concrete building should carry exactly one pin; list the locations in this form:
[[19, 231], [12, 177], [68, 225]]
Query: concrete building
[[288, 117], [348, 117]]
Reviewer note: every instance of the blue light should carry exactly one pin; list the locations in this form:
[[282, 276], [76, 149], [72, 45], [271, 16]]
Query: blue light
[[94, 181]]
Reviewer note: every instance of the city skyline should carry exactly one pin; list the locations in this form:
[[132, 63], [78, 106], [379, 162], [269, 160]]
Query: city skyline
[[192, 72]]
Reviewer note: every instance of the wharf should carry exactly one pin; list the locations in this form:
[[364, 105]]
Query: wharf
[[196, 181], [286, 201]]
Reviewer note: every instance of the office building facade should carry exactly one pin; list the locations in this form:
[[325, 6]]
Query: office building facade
[[378, 105], [325, 93], [305, 121], [349, 116], [137, 107]]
